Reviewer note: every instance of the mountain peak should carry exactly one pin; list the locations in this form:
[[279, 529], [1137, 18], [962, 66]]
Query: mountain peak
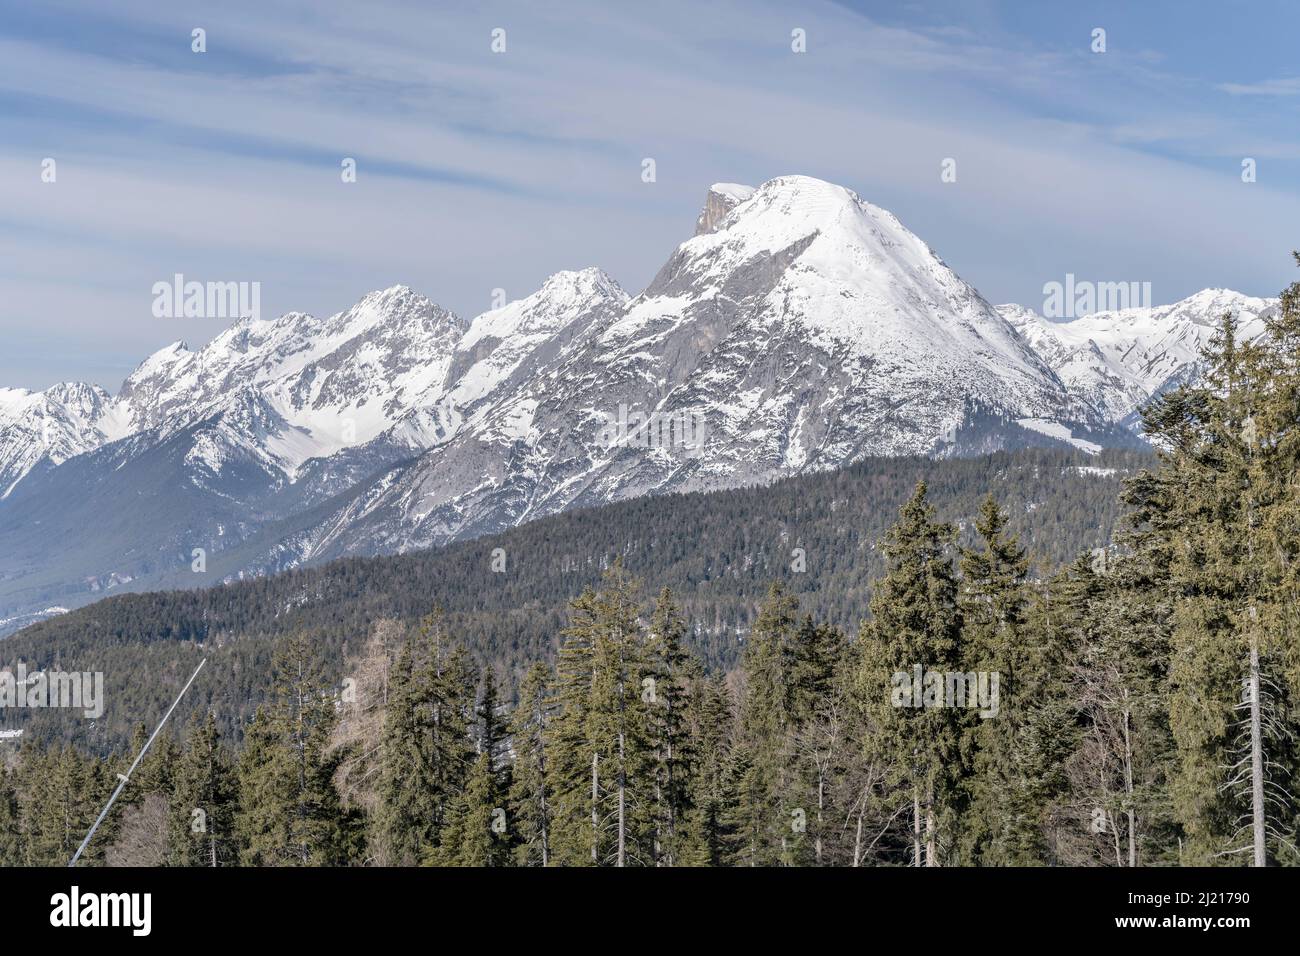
[[396, 306], [794, 197], [395, 296], [720, 200], [1209, 305], [164, 357], [851, 270], [563, 297], [787, 209], [591, 281], [77, 392], [13, 398]]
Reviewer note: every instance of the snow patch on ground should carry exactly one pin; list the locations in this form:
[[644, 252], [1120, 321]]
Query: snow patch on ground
[[1058, 431]]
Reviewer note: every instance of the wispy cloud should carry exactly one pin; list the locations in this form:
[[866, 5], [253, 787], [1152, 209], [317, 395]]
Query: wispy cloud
[[1289, 86], [479, 171]]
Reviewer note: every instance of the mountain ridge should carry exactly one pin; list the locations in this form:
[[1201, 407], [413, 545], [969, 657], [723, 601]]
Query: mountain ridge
[[799, 329]]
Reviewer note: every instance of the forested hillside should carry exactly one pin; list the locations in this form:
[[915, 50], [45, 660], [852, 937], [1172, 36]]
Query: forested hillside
[[1135, 706], [505, 596]]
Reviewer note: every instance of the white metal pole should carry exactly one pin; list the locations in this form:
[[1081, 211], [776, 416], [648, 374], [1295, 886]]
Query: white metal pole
[[124, 777]]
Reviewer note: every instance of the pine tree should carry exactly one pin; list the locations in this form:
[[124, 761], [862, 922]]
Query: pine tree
[[861, 793], [665, 691], [1047, 727], [358, 736], [475, 833], [820, 714], [289, 810], [1224, 489], [575, 834], [1001, 822], [604, 795], [748, 815], [491, 729], [767, 830], [815, 656], [712, 801], [426, 749], [203, 801], [1122, 679], [11, 849], [530, 793], [915, 624], [59, 801], [154, 775]]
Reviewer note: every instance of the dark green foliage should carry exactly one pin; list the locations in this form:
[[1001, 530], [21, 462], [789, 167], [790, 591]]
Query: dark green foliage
[[1147, 681], [916, 629], [667, 674], [603, 757], [10, 820], [709, 721], [1218, 524], [531, 789], [475, 831], [766, 827], [717, 552], [1000, 819], [203, 801], [289, 810], [426, 745], [60, 792]]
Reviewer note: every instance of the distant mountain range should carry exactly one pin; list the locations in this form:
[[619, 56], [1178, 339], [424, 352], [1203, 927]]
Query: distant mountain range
[[1118, 361], [800, 329]]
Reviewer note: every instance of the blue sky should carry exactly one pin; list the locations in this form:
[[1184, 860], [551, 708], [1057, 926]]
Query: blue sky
[[479, 171]]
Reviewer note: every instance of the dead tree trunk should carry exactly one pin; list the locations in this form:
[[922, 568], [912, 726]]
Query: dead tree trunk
[[1256, 756], [595, 808]]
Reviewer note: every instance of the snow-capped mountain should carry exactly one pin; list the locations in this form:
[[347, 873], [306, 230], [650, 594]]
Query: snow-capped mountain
[[299, 388], [800, 328], [47, 428], [257, 431], [1118, 361], [280, 393]]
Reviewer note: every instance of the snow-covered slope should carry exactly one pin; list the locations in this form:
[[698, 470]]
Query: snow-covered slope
[[799, 328], [323, 384], [262, 426], [505, 348], [49, 427], [1117, 361], [280, 392]]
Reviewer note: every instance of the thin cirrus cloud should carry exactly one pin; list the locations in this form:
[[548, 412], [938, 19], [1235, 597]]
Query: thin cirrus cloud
[[1290, 86], [480, 171]]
